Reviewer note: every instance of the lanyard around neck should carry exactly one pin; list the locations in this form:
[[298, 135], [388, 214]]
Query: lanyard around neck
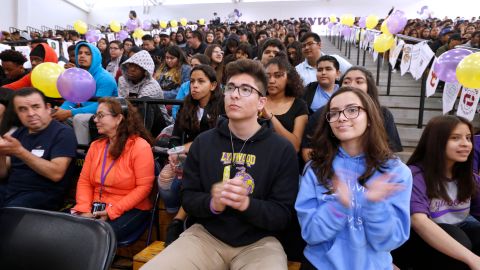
[[103, 174]]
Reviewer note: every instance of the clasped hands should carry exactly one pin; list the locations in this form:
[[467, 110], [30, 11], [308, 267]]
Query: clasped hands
[[234, 193]]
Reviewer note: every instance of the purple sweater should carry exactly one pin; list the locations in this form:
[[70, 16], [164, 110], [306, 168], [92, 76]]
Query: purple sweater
[[439, 210]]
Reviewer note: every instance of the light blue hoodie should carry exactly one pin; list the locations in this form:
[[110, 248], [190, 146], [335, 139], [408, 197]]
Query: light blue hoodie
[[106, 85], [362, 236]]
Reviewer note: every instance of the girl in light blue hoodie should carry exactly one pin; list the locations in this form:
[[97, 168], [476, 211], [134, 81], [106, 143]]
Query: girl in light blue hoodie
[[353, 202]]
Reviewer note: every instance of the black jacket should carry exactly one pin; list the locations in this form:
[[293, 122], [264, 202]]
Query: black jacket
[[271, 162]]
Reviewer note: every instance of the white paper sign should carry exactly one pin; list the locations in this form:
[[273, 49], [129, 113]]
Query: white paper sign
[[406, 58], [25, 50], [65, 46], [395, 53], [421, 56], [432, 81], [468, 102], [111, 37], [55, 45], [450, 93]]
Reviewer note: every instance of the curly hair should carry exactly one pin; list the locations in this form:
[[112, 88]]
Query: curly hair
[[294, 87], [374, 139], [131, 125], [187, 115], [13, 56]]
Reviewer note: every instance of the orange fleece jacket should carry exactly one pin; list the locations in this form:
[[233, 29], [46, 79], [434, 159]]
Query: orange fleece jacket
[[127, 185]]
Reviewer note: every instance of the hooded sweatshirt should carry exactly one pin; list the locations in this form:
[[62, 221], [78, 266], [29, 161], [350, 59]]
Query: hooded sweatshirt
[[106, 85], [362, 236], [267, 163], [25, 81], [148, 87]]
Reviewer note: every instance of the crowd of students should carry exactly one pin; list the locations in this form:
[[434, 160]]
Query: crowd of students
[[285, 152]]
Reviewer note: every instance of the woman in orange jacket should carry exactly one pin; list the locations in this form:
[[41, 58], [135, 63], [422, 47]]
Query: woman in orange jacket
[[118, 173]]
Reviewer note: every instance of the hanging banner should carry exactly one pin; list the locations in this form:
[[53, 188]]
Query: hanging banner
[[55, 45], [421, 56], [395, 53], [406, 59], [432, 81], [450, 93], [468, 102]]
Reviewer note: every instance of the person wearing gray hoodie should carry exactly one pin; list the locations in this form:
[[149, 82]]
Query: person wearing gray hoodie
[[137, 81]]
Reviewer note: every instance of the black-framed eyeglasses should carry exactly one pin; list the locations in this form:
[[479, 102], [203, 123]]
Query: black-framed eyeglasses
[[351, 112], [244, 90], [308, 44], [99, 116]]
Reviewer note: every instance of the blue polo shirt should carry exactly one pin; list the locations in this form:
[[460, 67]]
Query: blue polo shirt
[[56, 140], [321, 97]]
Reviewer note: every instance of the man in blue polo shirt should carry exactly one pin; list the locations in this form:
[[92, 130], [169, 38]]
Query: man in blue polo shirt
[[36, 157]]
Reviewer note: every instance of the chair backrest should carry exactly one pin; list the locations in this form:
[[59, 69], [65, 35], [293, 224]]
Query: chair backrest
[[38, 239]]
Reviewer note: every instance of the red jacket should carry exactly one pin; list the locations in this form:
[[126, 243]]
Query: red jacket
[[25, 81]]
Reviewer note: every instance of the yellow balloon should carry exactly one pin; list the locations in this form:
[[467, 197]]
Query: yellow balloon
[[349, 19], [201, 21], [468, 71], [138, 33], [163, 24], [371, 21], [384, 28], [333, 18], [183, 21], [383, 43], [115, 26], [44, 78], [173, 23], [80, 27]]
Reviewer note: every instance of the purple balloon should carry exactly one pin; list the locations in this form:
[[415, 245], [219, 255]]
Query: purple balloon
[[122, 34], [396, 22], [131, 25], [346, 31], [76, 85], [362, 23], [330, 25], [147, 25], [446, 65], [92, 36]]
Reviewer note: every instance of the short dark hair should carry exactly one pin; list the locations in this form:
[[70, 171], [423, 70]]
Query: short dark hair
[[134, 13], [202, 58], [147, 37], [13, 56], [329, 58], [128, 39], [252, 68], [27, 91], [455, 36], [313, 35], [135, 49], [246, 48], [71, 48], [273, 42], [118, 42], [197, 34], [261, 32], [476, 33]]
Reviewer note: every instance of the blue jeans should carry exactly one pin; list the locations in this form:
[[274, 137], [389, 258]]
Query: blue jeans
[[46, 200], [128, 223], [171, 197]]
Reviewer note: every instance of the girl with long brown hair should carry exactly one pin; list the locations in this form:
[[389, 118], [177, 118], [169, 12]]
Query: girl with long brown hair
[[354, 195]]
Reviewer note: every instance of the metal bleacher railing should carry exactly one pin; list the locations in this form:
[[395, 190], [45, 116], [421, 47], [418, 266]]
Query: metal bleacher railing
[[338, 40]]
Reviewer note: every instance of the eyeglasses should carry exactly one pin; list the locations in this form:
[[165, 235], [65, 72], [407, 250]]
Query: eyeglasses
[[244, 90], [99, 116], [308, 44], [350, 112], [276, 75]]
